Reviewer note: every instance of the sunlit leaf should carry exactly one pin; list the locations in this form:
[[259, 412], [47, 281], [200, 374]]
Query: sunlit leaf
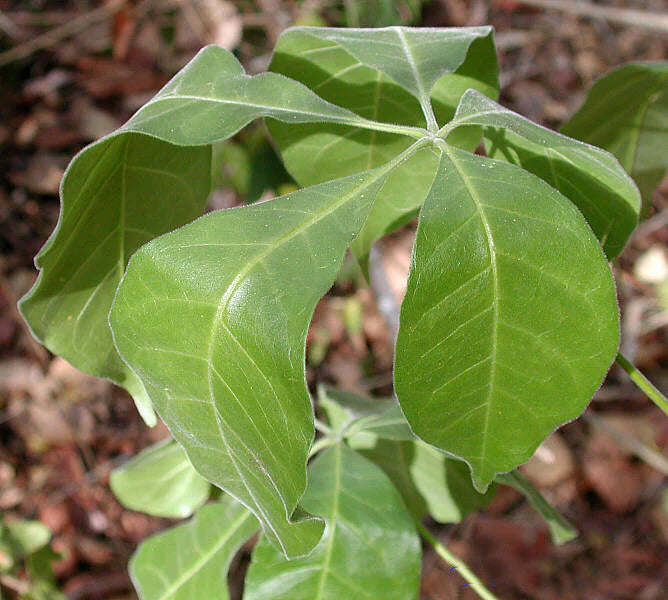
[[128, 188], [227, 376], [588, 176], [510, 320]]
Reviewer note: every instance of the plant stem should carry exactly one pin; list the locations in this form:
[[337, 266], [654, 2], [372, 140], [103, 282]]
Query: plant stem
[[321, 444], [560, 529], [643, 383], [323, 428], [460, 565]]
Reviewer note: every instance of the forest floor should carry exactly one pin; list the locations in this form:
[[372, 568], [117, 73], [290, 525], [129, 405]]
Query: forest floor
[[61, 432]]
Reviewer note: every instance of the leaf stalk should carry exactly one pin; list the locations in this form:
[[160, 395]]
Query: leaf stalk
[[456, 563], [642, 382]]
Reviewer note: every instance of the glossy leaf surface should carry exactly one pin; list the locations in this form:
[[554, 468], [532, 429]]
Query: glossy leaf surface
[[227, 376], [160, 481], [591, 178], [626, 112], [370, 548], [341, 69], [128, 188], [191, 560], [510, 320]]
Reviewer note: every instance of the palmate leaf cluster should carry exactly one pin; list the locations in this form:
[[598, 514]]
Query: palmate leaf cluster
[[509, 324]]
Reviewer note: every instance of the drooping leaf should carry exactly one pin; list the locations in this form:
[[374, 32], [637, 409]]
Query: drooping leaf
[[510, 320], [191, 560], [355, 75], [160, 481], [129, 187], [117, 194], [626, 112], [213, 319], [560, 529], [588, 176], [370, 548]]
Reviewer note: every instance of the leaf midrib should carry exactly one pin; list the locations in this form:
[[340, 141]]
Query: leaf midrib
[[204, 558], [334, 518], [492, 250]]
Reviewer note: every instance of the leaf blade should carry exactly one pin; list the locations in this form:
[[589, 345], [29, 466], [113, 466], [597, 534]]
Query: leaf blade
[[149, 177], [200, 370], [588, 176], [381, 538], [160, 481], [192, 559], [632, 131], [505, 237]]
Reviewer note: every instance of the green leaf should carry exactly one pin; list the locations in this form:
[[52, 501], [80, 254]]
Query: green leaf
[[370, 548], [19, 539], [560, 529], [117, 194], [510, 320], [191, 560], [626, 112], [349, 73], [588, 176], [129, 187], [351, 415], [429, 482], [228, 376], [160, 481]]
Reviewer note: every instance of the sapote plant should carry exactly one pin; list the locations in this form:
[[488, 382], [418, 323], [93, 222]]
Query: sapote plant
[[509, 324]]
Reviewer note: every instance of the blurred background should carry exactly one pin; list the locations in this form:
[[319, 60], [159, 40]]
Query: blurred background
[[73, 71]]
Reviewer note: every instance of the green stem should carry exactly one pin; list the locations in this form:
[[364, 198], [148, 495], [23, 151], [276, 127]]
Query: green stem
[[460, 565], [643, 383], [323, 428]]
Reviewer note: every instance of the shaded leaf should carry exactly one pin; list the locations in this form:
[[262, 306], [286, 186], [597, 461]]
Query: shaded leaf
[[429, 482], [370, 548], [160, 481], [227, 375], [191, 560], [351, 415], [117, 194], [634, 131], [19, 539], [591, 178], [325, 60], [510, 320]]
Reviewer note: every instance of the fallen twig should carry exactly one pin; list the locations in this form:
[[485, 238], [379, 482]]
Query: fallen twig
[[59, 33], [624, 16]]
